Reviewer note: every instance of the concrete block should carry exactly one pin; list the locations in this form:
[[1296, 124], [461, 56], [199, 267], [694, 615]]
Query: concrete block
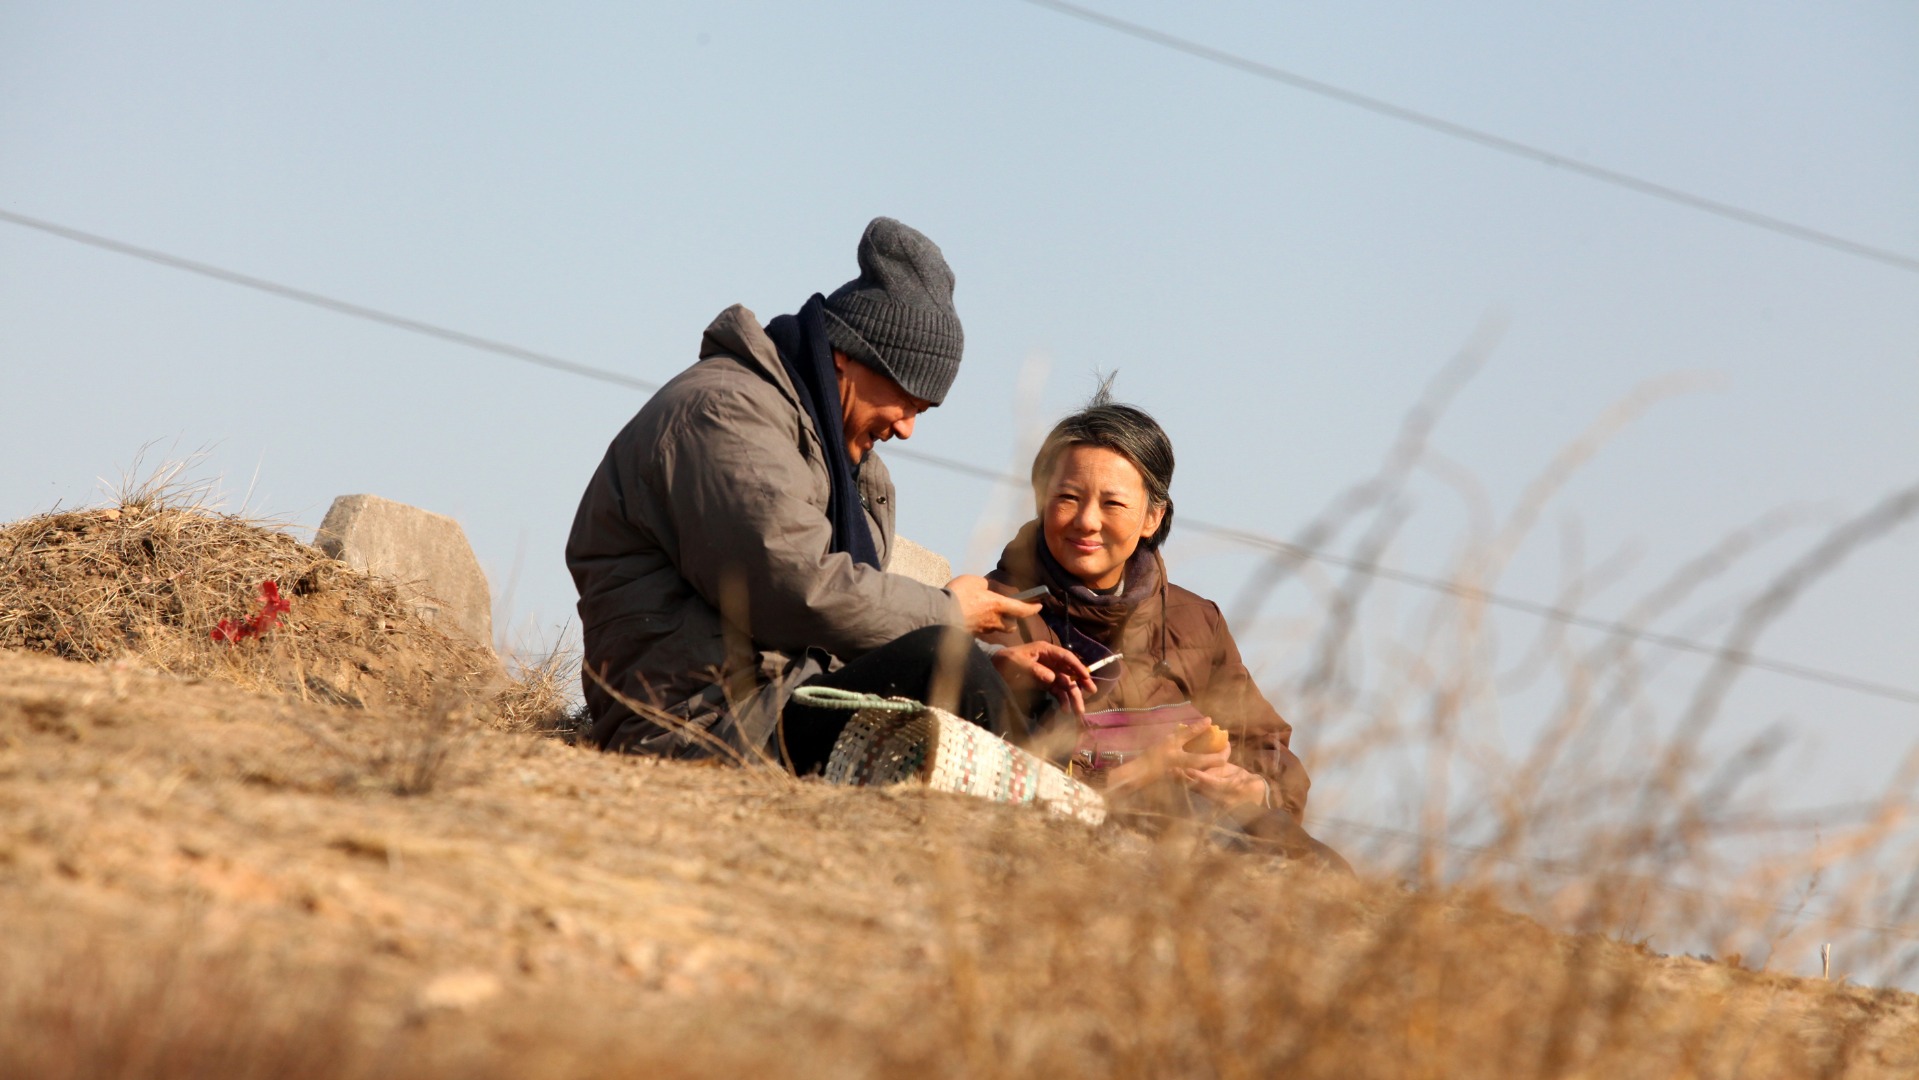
[[919, 563], [425, 553]]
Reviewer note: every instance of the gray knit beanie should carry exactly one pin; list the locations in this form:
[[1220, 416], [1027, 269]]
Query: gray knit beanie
[[897, 317]]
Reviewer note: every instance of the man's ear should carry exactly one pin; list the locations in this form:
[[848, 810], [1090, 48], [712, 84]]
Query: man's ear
[[840, 360]]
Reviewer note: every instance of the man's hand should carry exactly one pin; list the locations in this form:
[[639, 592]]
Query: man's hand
[[982, 610], [1228, 785], [1044, 664]]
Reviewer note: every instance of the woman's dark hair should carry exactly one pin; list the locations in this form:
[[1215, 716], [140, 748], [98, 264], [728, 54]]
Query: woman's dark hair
[[1127, 431]]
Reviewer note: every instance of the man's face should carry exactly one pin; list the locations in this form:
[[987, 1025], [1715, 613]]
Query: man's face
[[873, 408]]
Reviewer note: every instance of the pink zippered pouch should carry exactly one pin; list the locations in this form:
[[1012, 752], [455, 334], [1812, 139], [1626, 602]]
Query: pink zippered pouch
[[1112, 736]]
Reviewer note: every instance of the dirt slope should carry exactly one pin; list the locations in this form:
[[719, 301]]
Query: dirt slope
[[198, 879]]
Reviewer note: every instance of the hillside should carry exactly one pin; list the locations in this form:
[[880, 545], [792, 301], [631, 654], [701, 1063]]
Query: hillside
[[206, 874]]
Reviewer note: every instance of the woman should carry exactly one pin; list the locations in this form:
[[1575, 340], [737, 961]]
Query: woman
[[1165, 665]]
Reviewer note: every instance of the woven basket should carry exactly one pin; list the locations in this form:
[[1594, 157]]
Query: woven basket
[[892, 746]]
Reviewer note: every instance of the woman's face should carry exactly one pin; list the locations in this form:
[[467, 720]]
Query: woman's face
[[1093, 512]]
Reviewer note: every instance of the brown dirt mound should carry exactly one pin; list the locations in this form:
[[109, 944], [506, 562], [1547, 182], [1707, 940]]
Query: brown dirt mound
[[152, 582], [198, 882]]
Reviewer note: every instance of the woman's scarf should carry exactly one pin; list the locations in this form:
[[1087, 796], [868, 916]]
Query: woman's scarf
[[1068, 602], [808, 359]]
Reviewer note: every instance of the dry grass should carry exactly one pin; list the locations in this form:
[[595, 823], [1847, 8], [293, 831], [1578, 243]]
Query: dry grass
[[148, 580], [541, 697], [1541, 768]]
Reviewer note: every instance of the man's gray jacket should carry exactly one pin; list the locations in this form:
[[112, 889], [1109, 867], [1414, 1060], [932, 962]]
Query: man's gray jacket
[[701, 551]]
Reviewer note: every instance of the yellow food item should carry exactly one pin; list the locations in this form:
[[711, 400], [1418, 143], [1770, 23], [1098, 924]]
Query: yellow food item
[[1210, 739]]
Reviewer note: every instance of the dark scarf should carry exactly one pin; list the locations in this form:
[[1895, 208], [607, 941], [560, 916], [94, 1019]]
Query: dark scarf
[[1069, 605], [808, 359]]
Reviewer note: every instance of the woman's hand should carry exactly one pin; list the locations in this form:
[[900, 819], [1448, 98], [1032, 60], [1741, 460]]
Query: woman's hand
[[1169, 757], [1049, 666], [1228, 784]]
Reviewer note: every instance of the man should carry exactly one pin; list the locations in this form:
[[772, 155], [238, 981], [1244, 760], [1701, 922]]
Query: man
[[730, 546]]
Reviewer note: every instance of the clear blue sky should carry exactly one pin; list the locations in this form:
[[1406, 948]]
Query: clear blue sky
[[1275, 275]]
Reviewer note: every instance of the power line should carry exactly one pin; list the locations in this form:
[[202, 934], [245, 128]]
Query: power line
[[1467, 592], [1486, 139], [1227, 532], [337, 306], [1564, 615]]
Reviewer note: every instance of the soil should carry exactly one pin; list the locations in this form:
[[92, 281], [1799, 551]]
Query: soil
[[192, 873]]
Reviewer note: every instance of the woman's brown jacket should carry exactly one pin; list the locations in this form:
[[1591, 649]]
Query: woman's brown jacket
[[1176, 648]]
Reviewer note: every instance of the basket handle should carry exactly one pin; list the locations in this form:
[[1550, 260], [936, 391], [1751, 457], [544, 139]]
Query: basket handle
[[831, 697]]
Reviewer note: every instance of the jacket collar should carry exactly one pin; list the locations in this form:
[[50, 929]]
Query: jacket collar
[[737, 332]]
